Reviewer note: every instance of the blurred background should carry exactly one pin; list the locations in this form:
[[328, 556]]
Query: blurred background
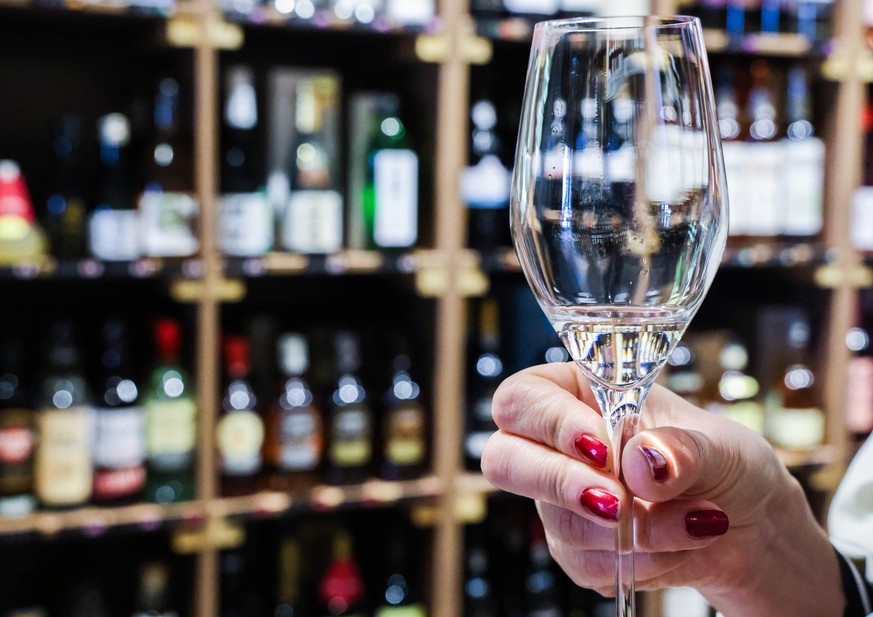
[[258, 291]]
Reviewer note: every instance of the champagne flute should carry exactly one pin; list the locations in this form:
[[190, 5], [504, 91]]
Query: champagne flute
[[619, 206]]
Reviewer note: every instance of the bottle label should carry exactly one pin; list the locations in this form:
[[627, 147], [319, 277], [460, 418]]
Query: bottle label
[[404, 443], [119, 437], [351, 439], [63, 460], [415, 610], [804, 186], [538, 7], [482, 409], [118, 483], [475, 443], [245, 224], [171, 433], [301, 442], [795, 428], [167, 224], [114, 235], [748, 413], [313, 222], [734, 167], [764, 188], [395, 176], [240, 437], [16, 443], [18, 506], [486, 184]]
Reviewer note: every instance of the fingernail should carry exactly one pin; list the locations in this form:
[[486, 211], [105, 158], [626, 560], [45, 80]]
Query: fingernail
[[591, 448], [706, 523], [600, 503], [657, 463]]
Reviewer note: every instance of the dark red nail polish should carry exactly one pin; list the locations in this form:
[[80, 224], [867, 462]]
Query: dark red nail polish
[[706, 523], [600, 503], [657, 463], [592, 449]]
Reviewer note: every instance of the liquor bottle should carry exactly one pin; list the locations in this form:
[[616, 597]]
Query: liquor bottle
[[289, 597], [479, 594], [294, 444], [17, 436], [113, 229], [400, 597], [489, 371], [313, 217], [349, 431], [541, 586], [391, 190], [803, 163], [682, 375], [65, 207], [240, 431], [730, 125], [153, 596], [170, 410], [21, 238], [119, 424], [341, 590], [736, 393], [404, 445], [64, 472], [763, 163], [859, 376], [485, 184], [245, 220], [167, 209], [794, 416]]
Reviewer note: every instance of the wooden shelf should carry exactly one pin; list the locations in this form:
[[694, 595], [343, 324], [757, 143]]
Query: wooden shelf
[[777, 45], [89, 269], [348, 262]]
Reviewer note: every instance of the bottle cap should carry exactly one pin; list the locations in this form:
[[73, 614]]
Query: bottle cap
[[484, 115], [14, 197], [114, 130], [236, 354], [168, 338], [293, 354]]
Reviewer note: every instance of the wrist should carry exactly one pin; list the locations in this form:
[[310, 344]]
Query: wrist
[[788, 566]]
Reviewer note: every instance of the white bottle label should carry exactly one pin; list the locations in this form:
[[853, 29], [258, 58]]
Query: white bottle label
[[245, 224], [63, 461], [804, 186], [167, 224], [735, 171], [486, 184], [313, 222], [795, 428], [119, 437], [410, 12], [538, 7], [113, 235], [763, 178], [301, 443], [240, 437], [396, 187], [862, 219]]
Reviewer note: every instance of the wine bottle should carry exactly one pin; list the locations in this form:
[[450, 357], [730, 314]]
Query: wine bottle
[[167, 209], [240, 432], [341, 590], [763, 156], [794, 418], [289, 595], [64, 472], [803, 163], [350, 420], [488, 367], [403, 426], [313, 216], [171, 420], [736, 393], [21, 238], [65, 206], [295, 435], [153, 596], [485, 184], [391, 190], [245, 220], [119, 424], [541, 586], [17, 434], [113, 229], [859, 376], [734, 148], [400, 596], [479, 594]]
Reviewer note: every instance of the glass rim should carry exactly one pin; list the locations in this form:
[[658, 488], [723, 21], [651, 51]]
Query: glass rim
[[613, 23]]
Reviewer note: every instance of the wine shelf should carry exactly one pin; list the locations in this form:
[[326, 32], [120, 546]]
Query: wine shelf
[[73, 269], [278, 14], [337, 264]]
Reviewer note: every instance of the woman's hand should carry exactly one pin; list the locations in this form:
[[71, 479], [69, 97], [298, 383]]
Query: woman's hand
[[715, 508]]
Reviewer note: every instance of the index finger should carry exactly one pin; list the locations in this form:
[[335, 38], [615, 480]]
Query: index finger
[[548, 404]]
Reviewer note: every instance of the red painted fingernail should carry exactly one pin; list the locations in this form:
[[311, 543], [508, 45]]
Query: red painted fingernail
[[600, 503], [706, 523], [592, 449], [657, 463]]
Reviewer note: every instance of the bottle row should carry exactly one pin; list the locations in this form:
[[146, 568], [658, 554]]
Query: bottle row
[[281, 181], [108, 437], [812, 19]]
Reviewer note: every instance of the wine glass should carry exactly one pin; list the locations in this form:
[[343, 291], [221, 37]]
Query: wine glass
[[619, 206]]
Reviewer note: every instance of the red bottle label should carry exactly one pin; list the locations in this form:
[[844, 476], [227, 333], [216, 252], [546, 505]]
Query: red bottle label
[[16, 444], [118, 483]]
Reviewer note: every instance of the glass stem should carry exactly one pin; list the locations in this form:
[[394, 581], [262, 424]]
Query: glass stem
[[622, 413]]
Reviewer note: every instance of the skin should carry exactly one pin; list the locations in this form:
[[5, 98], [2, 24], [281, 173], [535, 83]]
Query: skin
[[773, 560]]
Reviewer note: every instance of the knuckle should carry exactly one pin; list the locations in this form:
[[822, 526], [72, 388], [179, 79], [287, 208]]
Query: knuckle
[[508, 398], [496, 461]]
